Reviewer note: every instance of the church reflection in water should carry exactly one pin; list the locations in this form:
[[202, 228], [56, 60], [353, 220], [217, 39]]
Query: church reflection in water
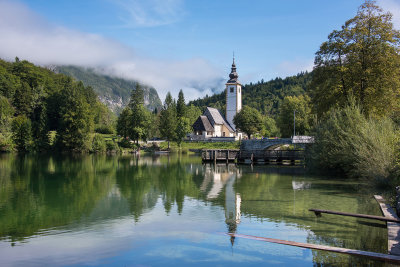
[[219, 183]]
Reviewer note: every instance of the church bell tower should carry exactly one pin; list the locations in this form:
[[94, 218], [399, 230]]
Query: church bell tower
[[233, 95]]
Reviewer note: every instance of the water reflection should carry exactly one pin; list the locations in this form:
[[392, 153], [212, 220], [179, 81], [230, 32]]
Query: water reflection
[[149, 199]]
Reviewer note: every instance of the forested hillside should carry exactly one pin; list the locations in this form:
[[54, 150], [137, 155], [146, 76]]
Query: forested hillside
[[41, 110], [266, 97], [112, 91]]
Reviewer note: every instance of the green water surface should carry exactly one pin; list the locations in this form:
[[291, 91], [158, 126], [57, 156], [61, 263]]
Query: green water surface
[[173, 210]]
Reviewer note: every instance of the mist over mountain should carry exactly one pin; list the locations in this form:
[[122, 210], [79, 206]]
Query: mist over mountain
[[112, 91]]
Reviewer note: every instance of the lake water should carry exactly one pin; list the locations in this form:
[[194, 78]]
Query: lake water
[[172, 210]]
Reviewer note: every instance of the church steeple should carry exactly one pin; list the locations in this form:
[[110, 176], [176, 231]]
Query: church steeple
[[233, 96], [233, 75]]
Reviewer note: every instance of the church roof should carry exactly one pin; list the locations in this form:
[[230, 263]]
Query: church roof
[[202, 124], [215, 117]]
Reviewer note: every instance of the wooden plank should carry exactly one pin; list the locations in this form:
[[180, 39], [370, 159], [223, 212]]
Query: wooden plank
[[373, 217], [393, 228], [355, 252]]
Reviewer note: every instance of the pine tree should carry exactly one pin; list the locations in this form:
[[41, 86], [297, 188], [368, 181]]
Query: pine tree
[[168, 119]]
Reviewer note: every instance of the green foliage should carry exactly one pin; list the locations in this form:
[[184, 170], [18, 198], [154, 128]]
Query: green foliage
[[76, 120], [266, 97], [111, 146], [123, 122], [6, 115], [98, 144], [140, 119], [349, 143], [302, 106], [270, 127], [51, 103], [362, 59], [183, 127], [180, 105], [192, 113], [21, 133], [168, 119], [112, 89], [248, 120]]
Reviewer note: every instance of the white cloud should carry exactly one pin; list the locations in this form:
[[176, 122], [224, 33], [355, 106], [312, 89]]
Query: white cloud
[[32, 38], [150, 13], [393, 6]]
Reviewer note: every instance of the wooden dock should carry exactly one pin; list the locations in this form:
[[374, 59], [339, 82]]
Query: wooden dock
[[393, 227], [365, 216], [252, 156], [368, 254], [266, 156], [219, 155]]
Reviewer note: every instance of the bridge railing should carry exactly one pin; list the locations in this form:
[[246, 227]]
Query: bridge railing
[[272, 154]]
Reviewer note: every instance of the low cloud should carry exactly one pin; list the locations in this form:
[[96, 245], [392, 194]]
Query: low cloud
[[32, 38]]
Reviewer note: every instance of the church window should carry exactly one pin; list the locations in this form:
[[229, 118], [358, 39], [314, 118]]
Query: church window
[[239, 90], [231, 89]]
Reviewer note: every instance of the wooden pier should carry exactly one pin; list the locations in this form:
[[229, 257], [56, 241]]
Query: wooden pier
[[266, 156], [252, 156], [372, 255], [219, 155]]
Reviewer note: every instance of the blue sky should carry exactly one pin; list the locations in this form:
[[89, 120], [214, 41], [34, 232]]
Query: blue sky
[[174, 44]]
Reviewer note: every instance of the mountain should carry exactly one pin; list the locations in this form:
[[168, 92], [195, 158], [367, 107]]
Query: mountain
[[112, 91], [266, 97]]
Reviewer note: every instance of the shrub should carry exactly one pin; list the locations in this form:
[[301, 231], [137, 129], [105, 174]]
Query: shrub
[[111, 146], [98, 144], [104, 129], [349, 143]]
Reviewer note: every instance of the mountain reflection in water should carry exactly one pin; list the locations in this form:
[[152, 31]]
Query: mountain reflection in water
[[158, 210]]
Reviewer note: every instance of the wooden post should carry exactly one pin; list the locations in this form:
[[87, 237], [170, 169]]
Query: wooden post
[[215, 156]]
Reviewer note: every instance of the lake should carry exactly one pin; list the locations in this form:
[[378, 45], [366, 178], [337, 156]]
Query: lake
[[175, 211]]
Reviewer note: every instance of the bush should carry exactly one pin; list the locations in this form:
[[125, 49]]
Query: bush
[[125, 143], [98, 144], [104, 129], [349, 143], [111, 146]]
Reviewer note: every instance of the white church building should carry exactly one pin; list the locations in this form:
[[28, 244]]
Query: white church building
[[212, 124]]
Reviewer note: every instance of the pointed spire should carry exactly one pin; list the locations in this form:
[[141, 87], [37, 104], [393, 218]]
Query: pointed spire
[[233, 75]]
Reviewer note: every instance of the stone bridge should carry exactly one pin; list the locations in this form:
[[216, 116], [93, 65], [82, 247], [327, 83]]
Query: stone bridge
[[263, 144]]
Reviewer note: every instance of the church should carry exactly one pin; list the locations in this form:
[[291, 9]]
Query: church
[[212, 124]]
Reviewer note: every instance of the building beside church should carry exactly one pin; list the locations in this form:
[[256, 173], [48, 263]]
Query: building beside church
[[212, 124]]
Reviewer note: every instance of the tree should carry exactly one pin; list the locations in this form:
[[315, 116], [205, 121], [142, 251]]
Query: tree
[[181, 106], [302, 106], [21, 129], [248, 120], [362, 59], [183, 127], [140, 119], [76, 120], [168, 119], [123, 122], [6, 115], [192, 113], [270, 127]]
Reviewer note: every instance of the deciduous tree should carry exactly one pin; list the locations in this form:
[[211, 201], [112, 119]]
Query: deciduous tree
[[248, 120], [362, 59]]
